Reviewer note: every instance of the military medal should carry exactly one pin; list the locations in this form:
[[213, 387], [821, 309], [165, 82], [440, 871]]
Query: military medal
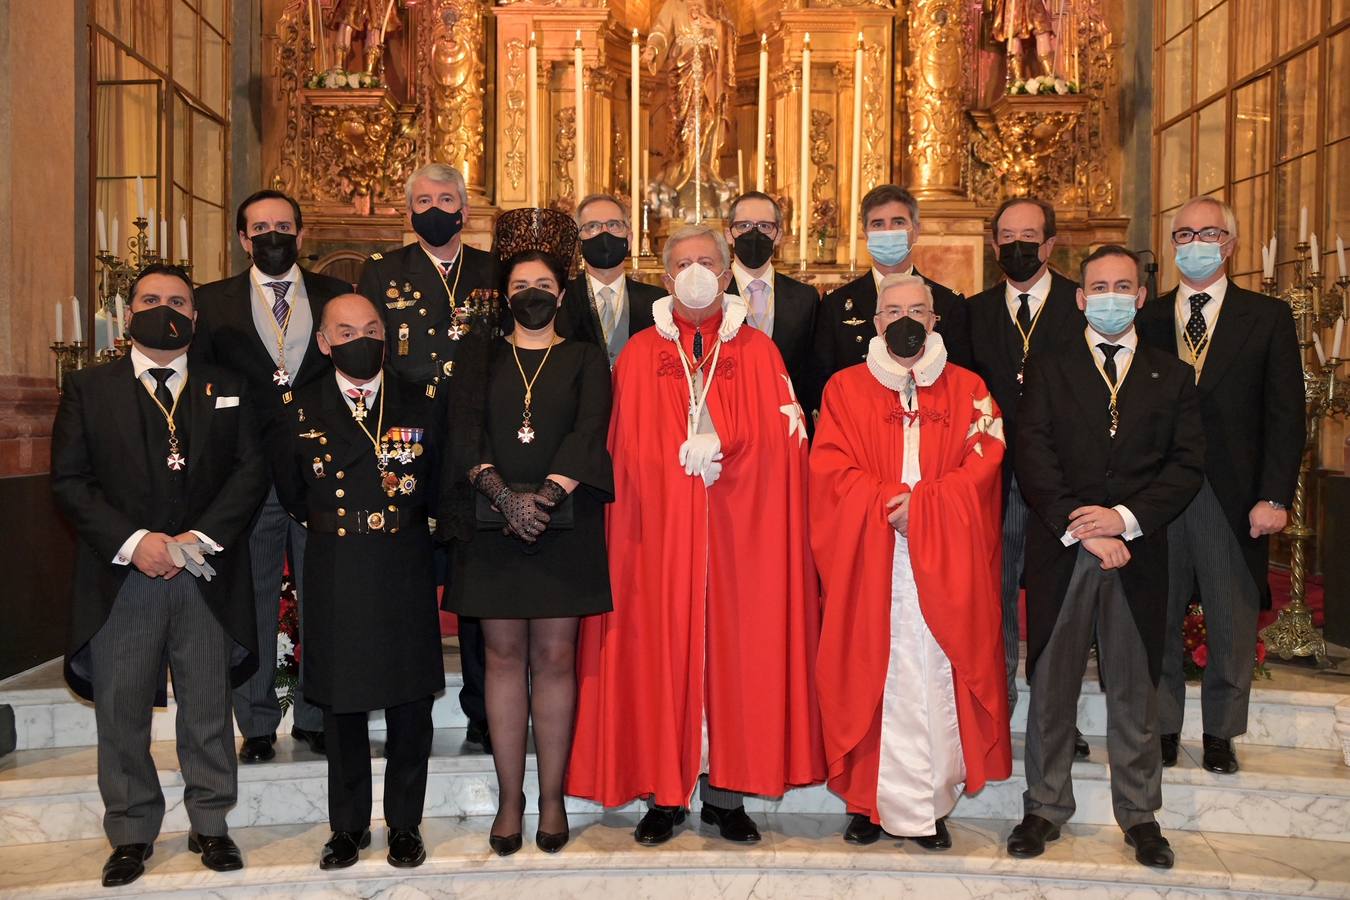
[[457, 331], [403, 339], [281, 376], [318, 467], [407, 484], [526, 433], [389, 481], [176, 461], [848, 305], [359, 410]]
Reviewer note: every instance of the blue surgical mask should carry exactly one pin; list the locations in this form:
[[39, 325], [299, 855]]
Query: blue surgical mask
[[1110, 314], [1199, 260], [888, 247]]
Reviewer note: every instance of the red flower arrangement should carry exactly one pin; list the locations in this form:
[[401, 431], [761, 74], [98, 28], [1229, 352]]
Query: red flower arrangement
[[288, 644], [1196, 655]]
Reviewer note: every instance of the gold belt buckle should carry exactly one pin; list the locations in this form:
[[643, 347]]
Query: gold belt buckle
[[375, 521]]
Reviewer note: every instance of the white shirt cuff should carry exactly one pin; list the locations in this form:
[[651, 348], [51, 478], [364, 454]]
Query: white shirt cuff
[[1132, 529], [210, 543], [1067, 539], [123, 557]]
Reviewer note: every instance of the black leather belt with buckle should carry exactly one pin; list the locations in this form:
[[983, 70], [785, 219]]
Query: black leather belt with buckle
[[389, 520]]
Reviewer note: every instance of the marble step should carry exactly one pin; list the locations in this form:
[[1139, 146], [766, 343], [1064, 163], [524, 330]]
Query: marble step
[[52, 795], [800, 856], [1293, 710]]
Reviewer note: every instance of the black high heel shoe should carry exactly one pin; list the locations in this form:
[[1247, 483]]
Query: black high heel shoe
[[505, 845], [552, 843]]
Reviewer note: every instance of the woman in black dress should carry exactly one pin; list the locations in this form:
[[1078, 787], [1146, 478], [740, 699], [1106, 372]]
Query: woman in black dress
[[538, 560]]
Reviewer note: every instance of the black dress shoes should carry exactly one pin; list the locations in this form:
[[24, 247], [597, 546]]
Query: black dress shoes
[[1029, 838], [258, 749], [862, 830], [126, 864], [658, 825], [505, 845], [314, 739], [1150, 847], [732, 824], [1080, 745], [406, 850], [343, 849], [552, 842], [219, 853], [940, 839], [1219, 755], [477, 733], [1171, 748]]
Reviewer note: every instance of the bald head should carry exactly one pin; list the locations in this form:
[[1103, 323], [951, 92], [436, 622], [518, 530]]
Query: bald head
[[354, 312]]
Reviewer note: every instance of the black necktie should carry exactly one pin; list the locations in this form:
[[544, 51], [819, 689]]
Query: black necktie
[[1195, 326], [1024, 313], [162, 392], [1110, 366], [698, 345], [446, 267]]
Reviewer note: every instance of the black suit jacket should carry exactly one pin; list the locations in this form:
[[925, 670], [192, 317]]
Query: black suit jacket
[[100, 477], [224, 335], [1251, 404], [577, 319], [794, 323], [1066, 458], [844, 327], [997, 346]]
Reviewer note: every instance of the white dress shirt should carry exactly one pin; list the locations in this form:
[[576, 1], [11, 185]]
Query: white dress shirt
[[877, 276], [1128, 343], [1217, 291], [141, 365], [372, 387], [298, 328], [743, 278], [1038, 291], [619, 287], [440, 263]]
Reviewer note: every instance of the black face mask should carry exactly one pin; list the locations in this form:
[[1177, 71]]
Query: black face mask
[[905, 337], [604, 250], [360, 358], [533, 308], [1018, 259], [161, 328], [436, 226], [274, 252], [754, 248]]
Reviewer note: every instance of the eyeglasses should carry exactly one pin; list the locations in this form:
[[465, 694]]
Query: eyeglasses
[[1206, 235], [616, 227], [766, 228], [890, 314]]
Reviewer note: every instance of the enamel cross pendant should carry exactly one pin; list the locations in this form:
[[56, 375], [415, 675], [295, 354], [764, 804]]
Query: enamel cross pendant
[[359, 411], [281, 376], [526, 434], [176, 461]]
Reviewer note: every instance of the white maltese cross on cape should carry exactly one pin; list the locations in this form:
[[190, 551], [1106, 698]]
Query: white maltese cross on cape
[[793, 410]]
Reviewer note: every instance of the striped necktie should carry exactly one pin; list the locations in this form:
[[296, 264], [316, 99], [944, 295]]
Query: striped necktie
[[280, 308]]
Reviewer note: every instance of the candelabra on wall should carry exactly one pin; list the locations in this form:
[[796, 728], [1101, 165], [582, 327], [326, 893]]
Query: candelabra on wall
[[1326, 396]]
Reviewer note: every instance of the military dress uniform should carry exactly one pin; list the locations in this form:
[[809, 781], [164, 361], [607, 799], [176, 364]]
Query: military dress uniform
[[439, 327], [370, 630]]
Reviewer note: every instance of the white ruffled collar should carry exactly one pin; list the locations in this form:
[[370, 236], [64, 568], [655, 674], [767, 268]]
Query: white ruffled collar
[[733, 316], [892, 375]]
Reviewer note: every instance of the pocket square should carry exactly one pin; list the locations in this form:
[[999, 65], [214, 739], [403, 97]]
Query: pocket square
[[224, 402]]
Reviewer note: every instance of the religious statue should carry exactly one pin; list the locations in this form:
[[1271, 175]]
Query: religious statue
[[451, 56], [1014, 21], [374, 18], [694, 42]]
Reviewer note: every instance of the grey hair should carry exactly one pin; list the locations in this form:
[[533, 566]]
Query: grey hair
[[897, 281], [440, 173], [1229, 219], [601, 198], [689, 232]]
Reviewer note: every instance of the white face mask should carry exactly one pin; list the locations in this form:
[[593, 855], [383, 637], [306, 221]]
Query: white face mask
[[697, 287]]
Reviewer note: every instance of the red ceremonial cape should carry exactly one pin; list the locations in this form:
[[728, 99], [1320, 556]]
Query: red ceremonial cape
[[726, 568], [955, 547]]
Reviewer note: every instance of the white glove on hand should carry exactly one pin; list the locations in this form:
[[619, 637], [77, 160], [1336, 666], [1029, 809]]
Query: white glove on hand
[[697, 453], [191, 555], [713, 472]]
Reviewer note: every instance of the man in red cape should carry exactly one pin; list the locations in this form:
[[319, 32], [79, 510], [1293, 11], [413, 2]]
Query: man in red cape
[[705, 664], [905, 482]]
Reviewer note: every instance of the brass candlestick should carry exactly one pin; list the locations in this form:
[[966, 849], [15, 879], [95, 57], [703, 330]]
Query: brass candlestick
[[69, 358], [1293, 633]]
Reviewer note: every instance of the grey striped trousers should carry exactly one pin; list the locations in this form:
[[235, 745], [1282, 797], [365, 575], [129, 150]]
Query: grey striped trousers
[[153, 620]]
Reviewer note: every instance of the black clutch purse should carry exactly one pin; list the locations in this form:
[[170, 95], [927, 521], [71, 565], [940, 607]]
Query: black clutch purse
[[560, 518]]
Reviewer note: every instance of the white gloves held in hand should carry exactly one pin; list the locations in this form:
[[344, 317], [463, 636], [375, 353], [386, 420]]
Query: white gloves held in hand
[[701, 455], [192, 556]]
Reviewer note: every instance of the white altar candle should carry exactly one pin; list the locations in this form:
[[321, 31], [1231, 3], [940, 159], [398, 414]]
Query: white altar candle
[[102, 232], [635, 186], [855, 171], [140, 198], [116, 248], [762, 116], [75, 313], [1274, 255], [163, 239], [1317, 348], [579, 94], [532, 123], [60, 335], [121, 310], [1267, 266], [1336, 337], [1303, 225], [1340, 256], [182, 238], [804, 188]]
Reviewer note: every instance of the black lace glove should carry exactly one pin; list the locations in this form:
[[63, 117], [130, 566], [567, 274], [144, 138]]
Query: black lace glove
[[551, 494], [523, 516]]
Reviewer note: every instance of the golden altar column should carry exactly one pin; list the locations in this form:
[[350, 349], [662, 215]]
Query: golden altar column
[[936, 94]]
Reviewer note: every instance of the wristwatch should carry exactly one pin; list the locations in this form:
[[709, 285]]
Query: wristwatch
[[1275, 504]]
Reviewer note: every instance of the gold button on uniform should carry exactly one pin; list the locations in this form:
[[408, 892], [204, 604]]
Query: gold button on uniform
[[342, 532], [328, 457], [340, 492], [431, 331], [341, 474], [341, 511], [323, 440], [421, 312]]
